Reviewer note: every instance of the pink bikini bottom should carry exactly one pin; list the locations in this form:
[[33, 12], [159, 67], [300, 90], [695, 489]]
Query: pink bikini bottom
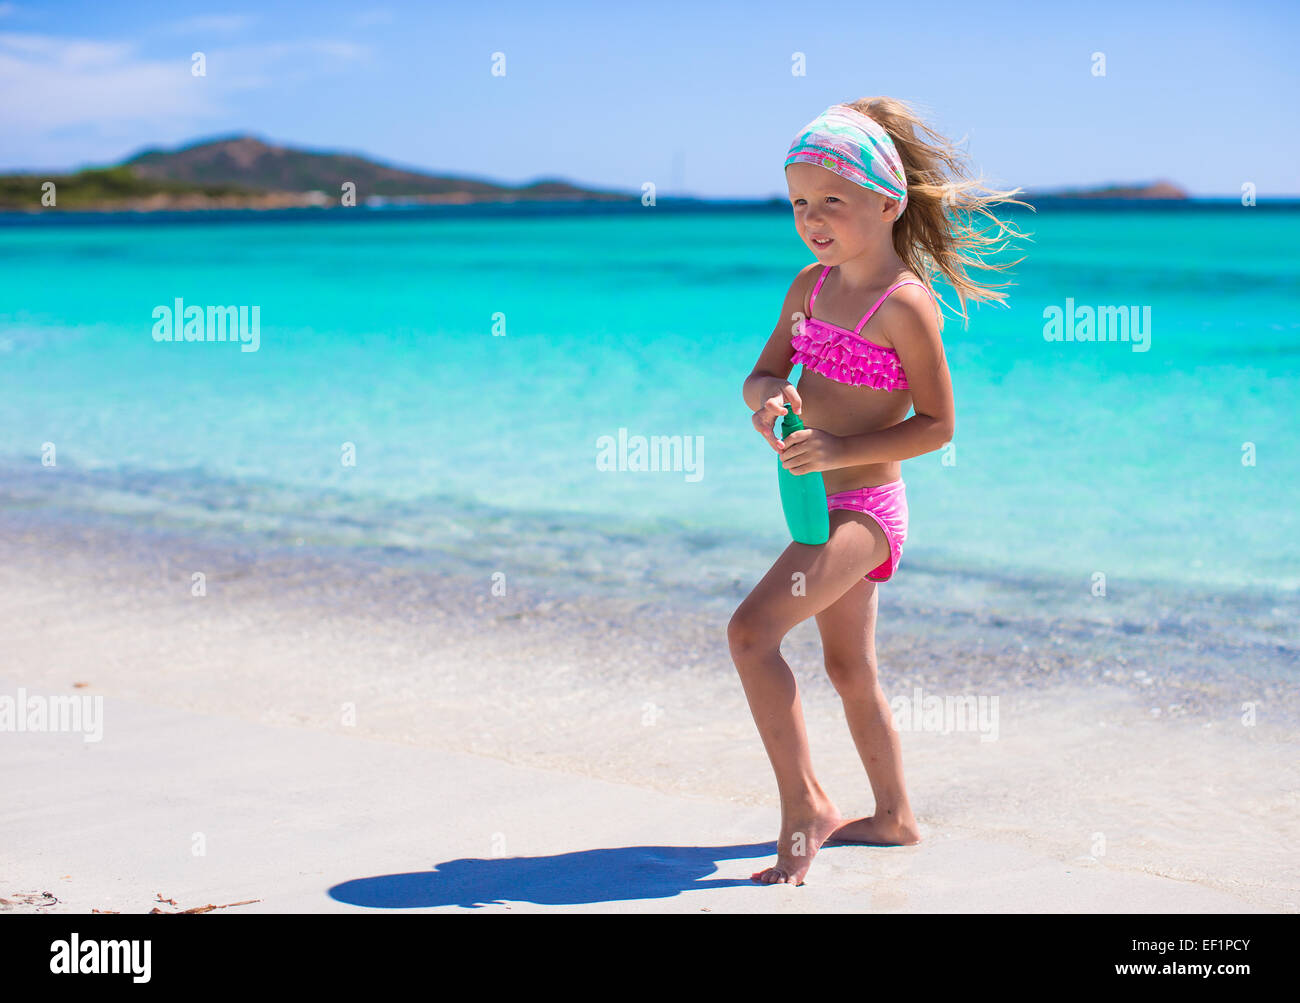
[[887, 504]]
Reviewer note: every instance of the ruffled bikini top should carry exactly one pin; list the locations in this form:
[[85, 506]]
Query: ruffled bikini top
[[845, 356]]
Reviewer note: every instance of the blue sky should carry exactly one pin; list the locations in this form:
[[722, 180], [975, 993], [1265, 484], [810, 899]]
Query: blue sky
[[697, 98]]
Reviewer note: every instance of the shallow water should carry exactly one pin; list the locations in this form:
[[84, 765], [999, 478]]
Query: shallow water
[[470, 366]]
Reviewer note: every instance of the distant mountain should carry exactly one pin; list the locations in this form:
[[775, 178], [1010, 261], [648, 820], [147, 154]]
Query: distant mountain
[[244, 170], [251, 163]]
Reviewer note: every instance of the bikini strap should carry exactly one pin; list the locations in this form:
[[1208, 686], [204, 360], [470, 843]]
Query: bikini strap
[[817, 288], [906, 282]]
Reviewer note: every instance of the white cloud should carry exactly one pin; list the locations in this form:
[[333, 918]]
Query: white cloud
[[67, 53], [376, 16], [248, 67], [349, 51], [58, 83], [210, 22], [63, 90]]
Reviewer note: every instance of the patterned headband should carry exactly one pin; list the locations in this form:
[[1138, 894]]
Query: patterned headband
[[854, 146]]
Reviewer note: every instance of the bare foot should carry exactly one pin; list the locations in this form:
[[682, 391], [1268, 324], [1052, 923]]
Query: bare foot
[[802, 835], [871, 831]]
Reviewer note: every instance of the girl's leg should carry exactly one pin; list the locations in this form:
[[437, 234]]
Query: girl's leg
[[848, 631], [804, 581]]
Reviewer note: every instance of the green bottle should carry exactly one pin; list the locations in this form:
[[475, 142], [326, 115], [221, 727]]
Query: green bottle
[[803, 496]]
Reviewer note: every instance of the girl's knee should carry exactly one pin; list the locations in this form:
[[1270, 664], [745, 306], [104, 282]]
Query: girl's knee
[[750, 629], [853, 679]]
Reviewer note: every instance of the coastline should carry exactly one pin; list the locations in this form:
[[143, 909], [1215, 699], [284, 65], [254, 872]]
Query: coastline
[[274, 201], [639, 691], [293, 200]]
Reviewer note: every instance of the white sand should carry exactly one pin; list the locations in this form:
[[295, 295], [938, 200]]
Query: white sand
[[287, 814], [496, 758]]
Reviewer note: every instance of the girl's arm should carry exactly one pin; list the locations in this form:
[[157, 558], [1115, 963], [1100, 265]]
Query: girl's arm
[[914, 331], [771, 371]]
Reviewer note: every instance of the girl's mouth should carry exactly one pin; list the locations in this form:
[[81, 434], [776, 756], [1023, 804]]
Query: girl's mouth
[[821, 243]]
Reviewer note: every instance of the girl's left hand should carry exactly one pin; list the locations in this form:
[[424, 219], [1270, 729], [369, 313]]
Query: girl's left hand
[[809, 450]]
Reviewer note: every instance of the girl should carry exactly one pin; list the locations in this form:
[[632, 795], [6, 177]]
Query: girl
[[851, 173]]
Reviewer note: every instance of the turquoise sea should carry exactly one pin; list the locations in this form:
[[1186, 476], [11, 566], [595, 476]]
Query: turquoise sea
[[471, 360]]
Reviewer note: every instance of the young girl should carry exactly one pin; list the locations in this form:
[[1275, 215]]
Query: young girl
[[866, 330]]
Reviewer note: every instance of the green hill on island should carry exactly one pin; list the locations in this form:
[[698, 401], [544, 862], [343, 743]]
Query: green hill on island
[[246, 171]]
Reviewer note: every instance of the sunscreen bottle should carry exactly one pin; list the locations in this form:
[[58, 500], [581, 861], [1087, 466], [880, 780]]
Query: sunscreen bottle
[[803, 496]]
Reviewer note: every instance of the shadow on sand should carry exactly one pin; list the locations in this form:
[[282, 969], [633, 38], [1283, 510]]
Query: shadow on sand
[[606, 875]]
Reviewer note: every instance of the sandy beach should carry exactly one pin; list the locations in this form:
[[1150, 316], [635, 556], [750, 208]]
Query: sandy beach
[[345, 735]]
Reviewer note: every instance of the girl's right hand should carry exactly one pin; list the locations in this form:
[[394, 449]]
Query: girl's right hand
[[774, 408]]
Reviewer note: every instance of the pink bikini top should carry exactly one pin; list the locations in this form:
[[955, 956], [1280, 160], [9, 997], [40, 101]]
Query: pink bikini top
[[845, 356]]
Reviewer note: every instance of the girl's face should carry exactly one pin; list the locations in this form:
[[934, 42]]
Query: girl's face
[[837, 219]]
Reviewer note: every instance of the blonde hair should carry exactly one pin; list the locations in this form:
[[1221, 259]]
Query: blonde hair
[[936, 232]]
